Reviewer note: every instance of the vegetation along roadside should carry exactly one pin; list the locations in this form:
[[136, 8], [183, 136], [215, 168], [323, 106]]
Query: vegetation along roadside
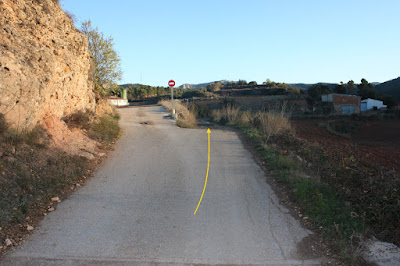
[[345, 199], [35, 174], [184, 117]]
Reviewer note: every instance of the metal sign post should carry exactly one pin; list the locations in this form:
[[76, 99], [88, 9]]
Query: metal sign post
[[171, 83]]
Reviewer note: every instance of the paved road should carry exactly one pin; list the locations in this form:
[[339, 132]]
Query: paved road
[[138, 208]]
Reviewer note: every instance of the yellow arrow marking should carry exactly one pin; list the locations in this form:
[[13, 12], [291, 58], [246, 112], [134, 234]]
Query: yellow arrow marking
[[208, 168]]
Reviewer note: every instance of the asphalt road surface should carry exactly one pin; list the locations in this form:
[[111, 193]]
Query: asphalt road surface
[[138, 208]]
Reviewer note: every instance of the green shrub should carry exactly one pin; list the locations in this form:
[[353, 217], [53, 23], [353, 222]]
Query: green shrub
[[200, 110], [80, 119], [105, 130], [284, 163]]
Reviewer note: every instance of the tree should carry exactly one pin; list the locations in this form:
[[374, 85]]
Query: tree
[[315, 92], [389, 100], [272, 84], [366, 90], [241, 82], [340, 88], [267, 82], [215, 86], [350, 87], [294, 90], [253, 83], [107, 70]]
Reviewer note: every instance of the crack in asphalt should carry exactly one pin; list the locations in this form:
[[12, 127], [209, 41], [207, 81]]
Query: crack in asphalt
[[272, 230]]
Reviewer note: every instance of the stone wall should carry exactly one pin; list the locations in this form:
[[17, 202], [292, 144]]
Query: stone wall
[[45, 65]]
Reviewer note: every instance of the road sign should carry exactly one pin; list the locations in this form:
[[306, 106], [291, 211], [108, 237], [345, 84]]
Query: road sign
[[171, 83]]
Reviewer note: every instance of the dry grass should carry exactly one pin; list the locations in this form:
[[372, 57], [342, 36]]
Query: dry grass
[[245, 118], [216, 115], [184, 117], [227, 115], [105, 129], [232, 114], [30, 174], [272, 123], [32, 171]]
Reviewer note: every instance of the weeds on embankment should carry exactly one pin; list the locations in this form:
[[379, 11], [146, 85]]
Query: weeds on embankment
[[104, 129], [345, 200], [32, 171], [184, 117]]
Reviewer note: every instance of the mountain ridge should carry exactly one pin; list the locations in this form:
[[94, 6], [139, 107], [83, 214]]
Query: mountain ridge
[[390, 87]]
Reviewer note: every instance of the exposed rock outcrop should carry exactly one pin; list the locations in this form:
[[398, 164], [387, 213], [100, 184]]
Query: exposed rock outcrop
[[45, 64]]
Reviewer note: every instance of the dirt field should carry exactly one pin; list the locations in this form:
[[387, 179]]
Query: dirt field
[[373, 141]]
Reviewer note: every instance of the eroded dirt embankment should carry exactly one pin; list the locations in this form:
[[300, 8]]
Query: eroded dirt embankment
[[41, 167]]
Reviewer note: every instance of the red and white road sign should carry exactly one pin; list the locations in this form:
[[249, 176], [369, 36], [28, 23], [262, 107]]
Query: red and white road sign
[[171, 83]]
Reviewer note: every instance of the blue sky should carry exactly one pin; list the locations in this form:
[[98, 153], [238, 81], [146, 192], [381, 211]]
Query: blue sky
[[286, 41]]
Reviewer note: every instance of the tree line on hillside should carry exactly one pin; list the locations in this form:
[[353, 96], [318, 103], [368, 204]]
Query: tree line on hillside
[[391, 87], [242, 84], [365, 89], [107, 72], [139, 92]]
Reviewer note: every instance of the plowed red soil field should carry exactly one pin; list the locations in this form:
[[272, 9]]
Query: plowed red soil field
[[376, 142]]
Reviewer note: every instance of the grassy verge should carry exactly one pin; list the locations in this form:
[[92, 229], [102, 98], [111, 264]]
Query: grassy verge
[[32, 172], [185, 118], [344, 199], [323, 206]]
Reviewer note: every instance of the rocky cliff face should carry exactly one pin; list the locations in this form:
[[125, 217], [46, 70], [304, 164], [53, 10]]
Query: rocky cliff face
[[45, 65]]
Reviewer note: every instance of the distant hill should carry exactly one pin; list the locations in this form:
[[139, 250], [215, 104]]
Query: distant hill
[[391, 87], [200, 85]]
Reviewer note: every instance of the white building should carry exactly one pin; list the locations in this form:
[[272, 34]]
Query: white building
[[371, 104], [118, 101]]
